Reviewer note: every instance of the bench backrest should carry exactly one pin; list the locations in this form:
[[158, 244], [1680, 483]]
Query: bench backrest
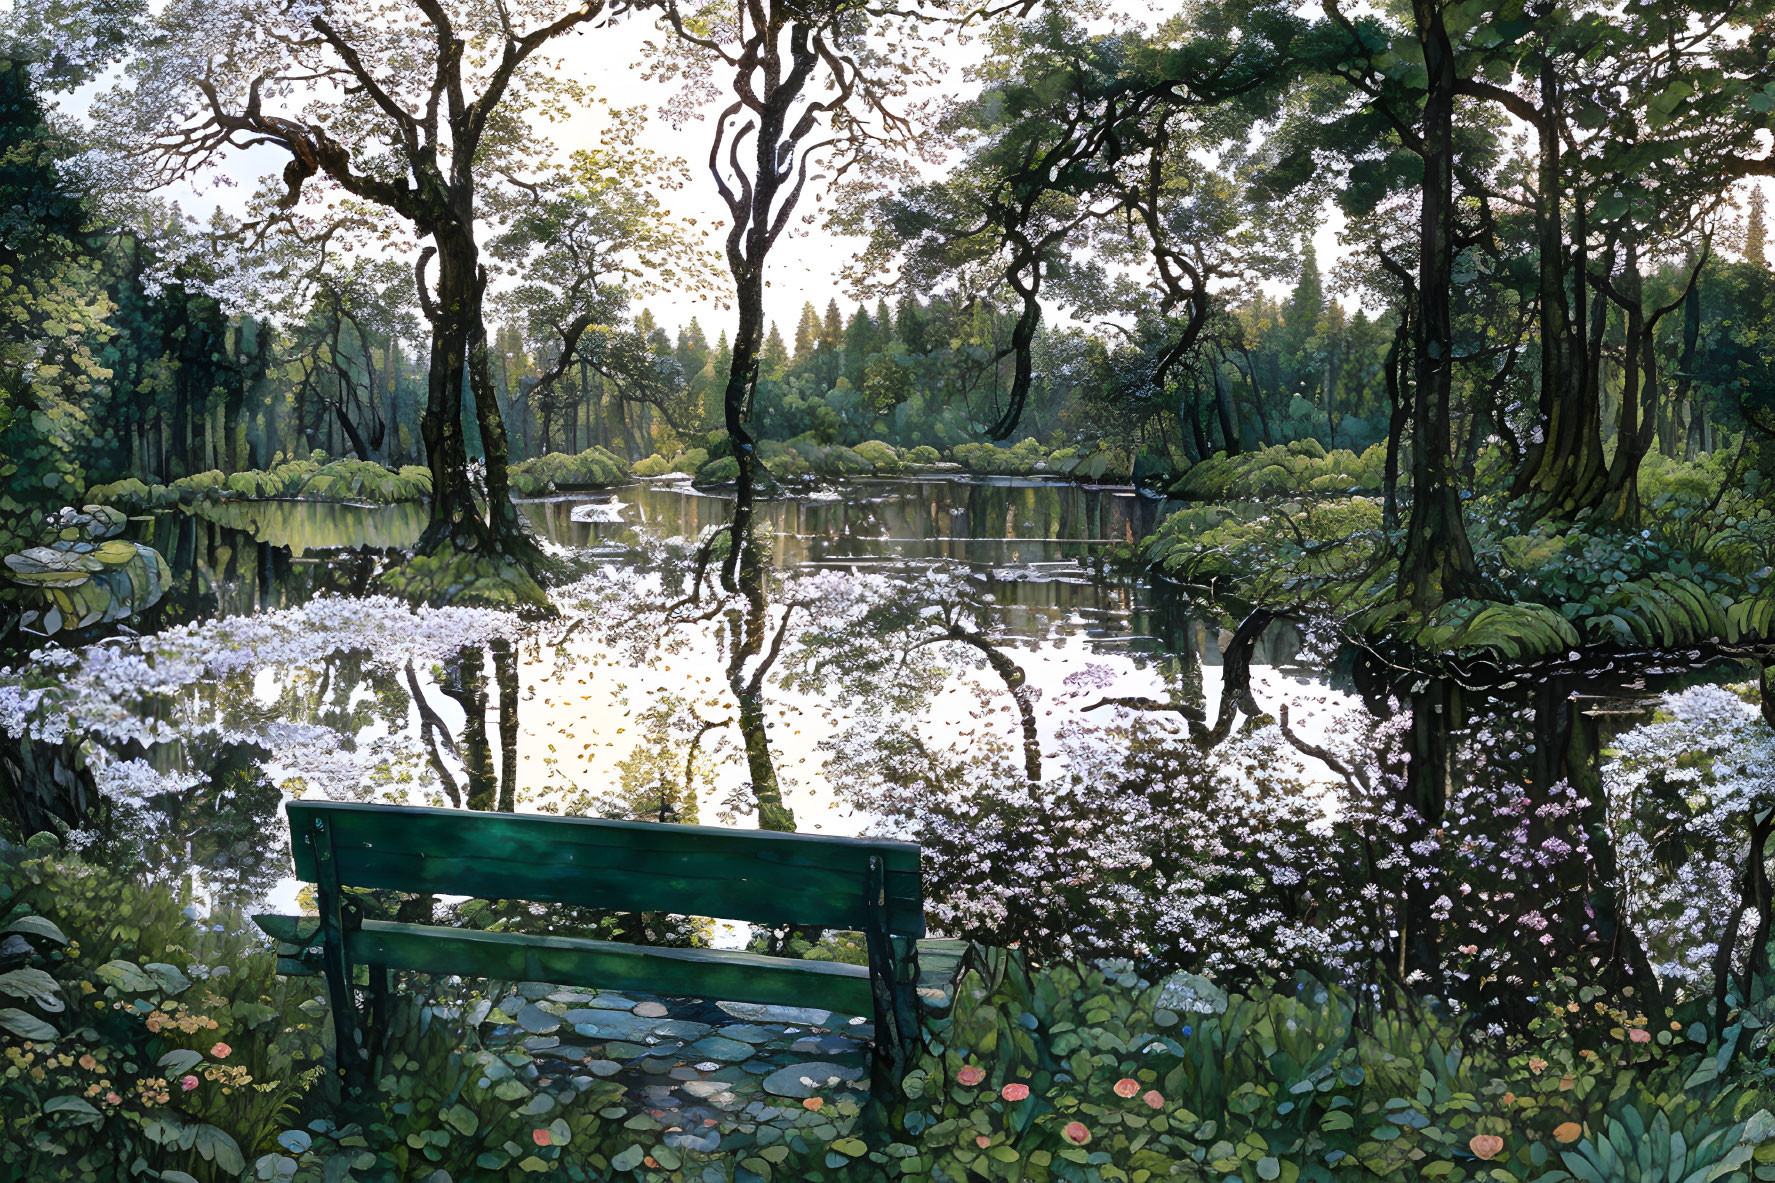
[[757, 876]]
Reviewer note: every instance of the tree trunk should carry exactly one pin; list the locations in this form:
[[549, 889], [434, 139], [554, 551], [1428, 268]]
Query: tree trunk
[[1398, 418], [1563, 471], [1438, 561]]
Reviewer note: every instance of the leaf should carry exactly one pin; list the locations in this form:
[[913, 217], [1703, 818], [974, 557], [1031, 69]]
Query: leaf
[[461, 1119], [80, 1111], [25, 1026], [34, 984], [37, 926], [126, 976], [217, 1146], [177, 1177], [168, 977], [180, 1061]]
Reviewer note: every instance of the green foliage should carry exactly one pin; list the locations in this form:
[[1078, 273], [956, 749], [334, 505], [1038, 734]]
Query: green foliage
[[143, 1041], [882, 456], [595, 467], [1294, 469], [313, 479]]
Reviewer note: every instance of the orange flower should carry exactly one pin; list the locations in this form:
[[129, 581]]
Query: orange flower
[[1153, 1099], [982, 1141], [1076, 1133], [221, 1051], [1536, 1064], [1567, 1084], [1127, 1086], [541, 1137], [1486, 1145], [1570, 1131], [812, 1103], [1509, 1098], [88, 1063], [971, 1076], [1014, 1091]]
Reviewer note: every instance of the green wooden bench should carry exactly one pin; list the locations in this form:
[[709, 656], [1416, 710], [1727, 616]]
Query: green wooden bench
[[860, 885]]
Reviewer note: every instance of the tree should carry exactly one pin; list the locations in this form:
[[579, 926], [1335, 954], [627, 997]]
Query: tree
[[582, 242], [407, 115], [1755, 233], [807, 86]]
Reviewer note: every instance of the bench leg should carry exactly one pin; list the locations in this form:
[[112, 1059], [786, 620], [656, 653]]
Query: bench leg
[[893, 980]]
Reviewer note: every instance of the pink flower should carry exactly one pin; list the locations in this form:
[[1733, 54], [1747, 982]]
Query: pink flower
[[1127, 1086], [540, 1137], [1639, 1035], [1076, 1132], [189, 1083], [1014, 1092], [971, 1076], [221, 1051], [982, 1141], [113, 1099], [1153, 1100]]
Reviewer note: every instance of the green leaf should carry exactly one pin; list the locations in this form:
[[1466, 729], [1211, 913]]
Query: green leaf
[[461, 1119], [25, 1026], [168, 977], [37, 926], [217, 1146], [126, 976], [180, 1061], [34, 984], [78, 1106], [628, 1160]]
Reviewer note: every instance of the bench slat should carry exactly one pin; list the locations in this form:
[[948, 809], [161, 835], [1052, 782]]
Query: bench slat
[[696, 973], [748, 875]]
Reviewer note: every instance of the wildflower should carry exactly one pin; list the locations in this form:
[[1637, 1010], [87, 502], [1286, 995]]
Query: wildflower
[[1076, 1133], [221, 1051], [189, 1083], [1537, 1064], [88, 1063], [814, 1103], [1188, 1030], [113, 1099], [982, 1141], [1509, 1098], [1639, 1035], [1485, 1145], [1127, 1086], [541, 1137], [1014, 1091], [1153, 1100], [971, 1076], [1569, 1131]]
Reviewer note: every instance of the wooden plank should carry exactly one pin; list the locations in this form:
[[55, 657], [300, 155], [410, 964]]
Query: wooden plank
[[692, 973], [755, 876]]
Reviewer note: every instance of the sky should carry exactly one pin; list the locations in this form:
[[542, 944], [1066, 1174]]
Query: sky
[[805, 266]]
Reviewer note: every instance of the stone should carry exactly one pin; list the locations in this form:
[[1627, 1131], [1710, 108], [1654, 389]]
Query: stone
[[651, 1010], [603, 1067], [571, 997], [535, 991], [541, 1043], [704, 1141], [621, 1050], [684, 1072], [655, 1066], [681, 1029], [511, 1004], [703, 1088], [760, 1013], [605, 1001], [714, 1047], [609, 1024], [748, 1033], [803, 1080], [535, 1020]]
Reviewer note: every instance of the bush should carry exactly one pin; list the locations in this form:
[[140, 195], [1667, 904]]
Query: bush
[[595, 467], [881, 456], [924, 454], [313, 479], [654, 465], [1286, 470], [144, 1042]]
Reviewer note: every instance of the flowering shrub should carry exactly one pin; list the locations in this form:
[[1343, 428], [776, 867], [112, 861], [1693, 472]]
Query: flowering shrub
[[142, 1041]]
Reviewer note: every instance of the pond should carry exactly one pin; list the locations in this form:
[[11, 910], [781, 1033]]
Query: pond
[[366, 705]]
